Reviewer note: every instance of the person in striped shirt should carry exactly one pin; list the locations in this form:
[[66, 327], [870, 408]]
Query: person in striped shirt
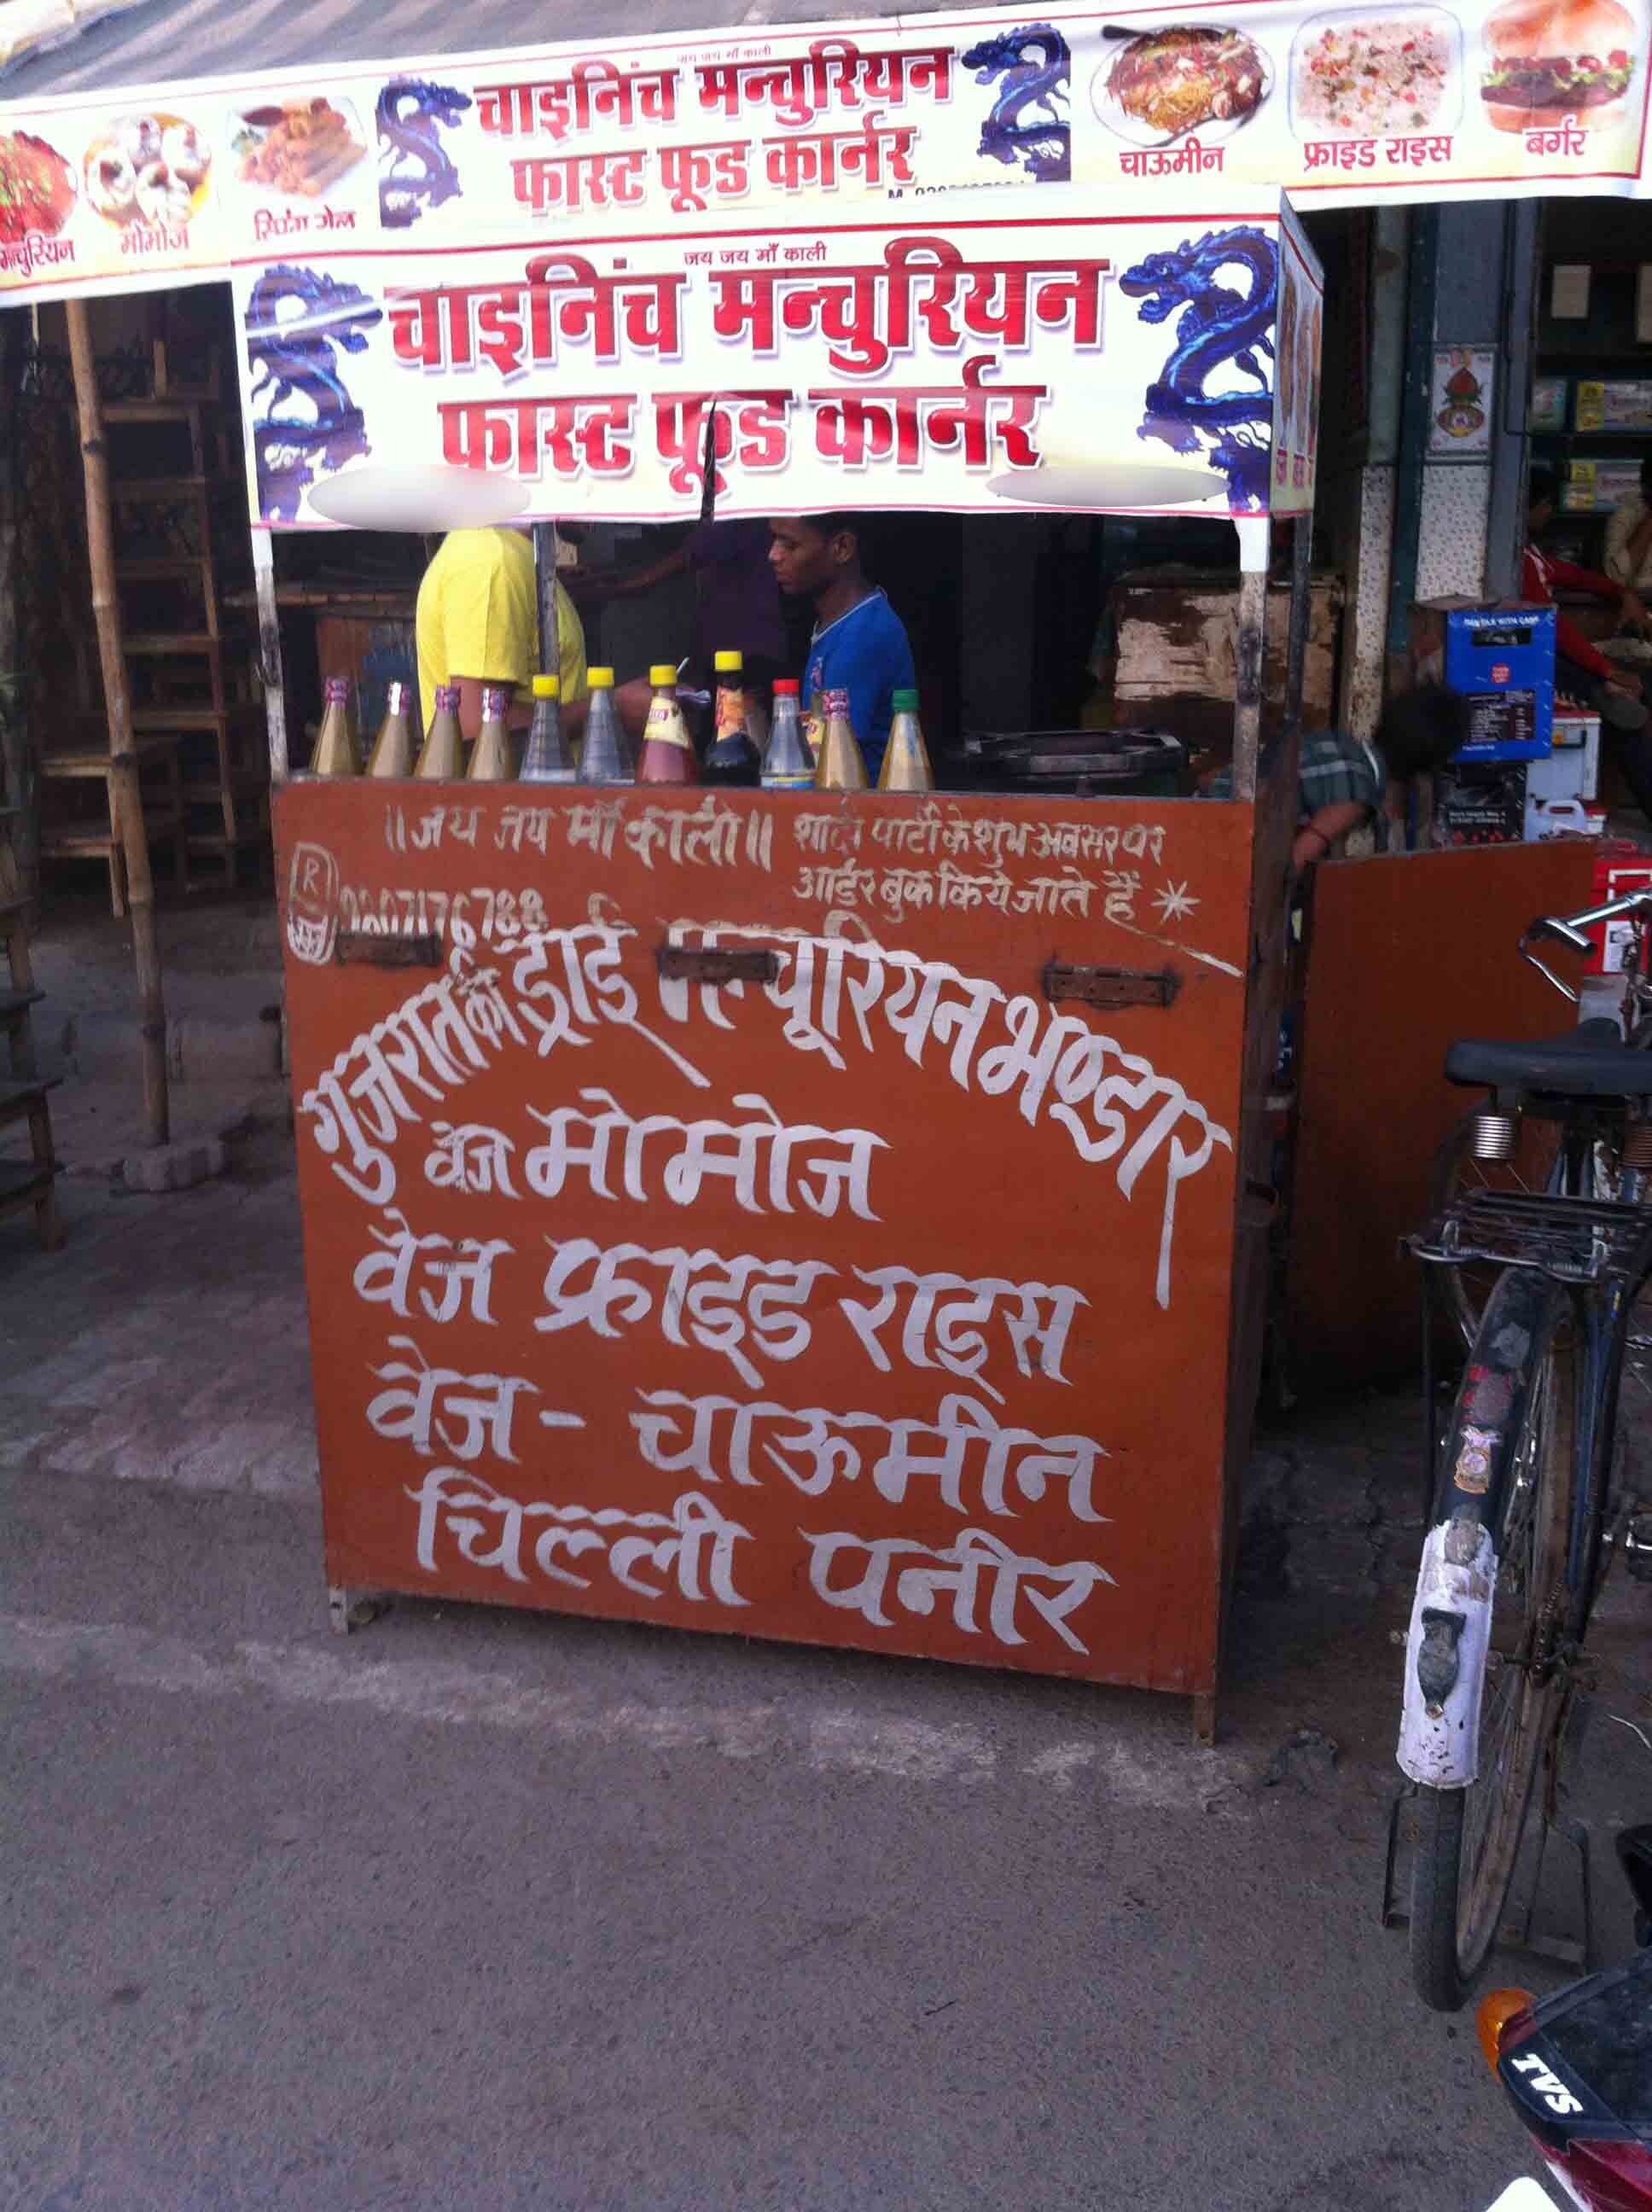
[[1342, 782]]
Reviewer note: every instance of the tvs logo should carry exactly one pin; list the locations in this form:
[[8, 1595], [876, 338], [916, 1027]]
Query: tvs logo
[[1548, 2085]]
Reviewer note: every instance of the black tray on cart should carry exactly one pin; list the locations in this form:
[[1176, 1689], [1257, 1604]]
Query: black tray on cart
[[1075, 764]]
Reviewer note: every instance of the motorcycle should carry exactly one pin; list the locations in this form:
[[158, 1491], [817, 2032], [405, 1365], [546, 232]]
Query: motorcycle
[[1578, 2068]]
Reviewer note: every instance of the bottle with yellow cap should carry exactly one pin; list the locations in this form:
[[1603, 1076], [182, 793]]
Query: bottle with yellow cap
[[842, 766], [441, 756], [733, 758], [392, 749], [548, 759], [336, 751], [604, 757], [906, 759], [492, 758], [667, 754]]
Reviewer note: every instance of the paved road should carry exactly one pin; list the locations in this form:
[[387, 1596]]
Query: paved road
[[483, 1909]]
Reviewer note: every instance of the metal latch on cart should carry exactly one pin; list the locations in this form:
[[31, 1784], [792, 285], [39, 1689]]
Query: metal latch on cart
[[1111, 986], [717, 964], [374, 948]]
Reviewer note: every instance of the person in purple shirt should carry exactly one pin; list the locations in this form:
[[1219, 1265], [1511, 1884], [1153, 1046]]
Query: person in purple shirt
[[737, 607], [859, 643]]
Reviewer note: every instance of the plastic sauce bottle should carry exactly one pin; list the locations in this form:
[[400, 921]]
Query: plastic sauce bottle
[[604, 757], [548, 759], [334, 751], [733, 759], [441, 756], [492, 760], [840, 766], [906, 759], [392, 749], [788, 765], [667, 754]]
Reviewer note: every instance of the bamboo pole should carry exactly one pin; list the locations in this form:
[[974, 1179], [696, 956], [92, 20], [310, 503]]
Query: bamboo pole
[[124, 801]]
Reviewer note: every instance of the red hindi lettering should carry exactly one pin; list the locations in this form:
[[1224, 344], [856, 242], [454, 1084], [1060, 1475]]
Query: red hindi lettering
[[694, 175], [751, 426]]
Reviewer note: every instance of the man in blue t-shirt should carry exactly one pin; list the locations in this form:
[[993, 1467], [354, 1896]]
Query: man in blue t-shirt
[[860, 644]]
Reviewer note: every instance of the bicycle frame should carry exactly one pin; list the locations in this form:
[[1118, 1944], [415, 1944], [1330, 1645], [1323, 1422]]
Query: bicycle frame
[[1449, 1638]]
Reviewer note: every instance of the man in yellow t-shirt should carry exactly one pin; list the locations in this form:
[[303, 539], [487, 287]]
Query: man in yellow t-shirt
[[478, 623]]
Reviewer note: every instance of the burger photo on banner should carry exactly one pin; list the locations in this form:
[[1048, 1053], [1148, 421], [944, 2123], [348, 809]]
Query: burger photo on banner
[[1569, 70]]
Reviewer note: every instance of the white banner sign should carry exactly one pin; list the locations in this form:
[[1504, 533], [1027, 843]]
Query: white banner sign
[[806, 368], [769, 127]]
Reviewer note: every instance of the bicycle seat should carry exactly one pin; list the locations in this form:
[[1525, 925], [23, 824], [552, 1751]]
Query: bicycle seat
[[1591, 1062]]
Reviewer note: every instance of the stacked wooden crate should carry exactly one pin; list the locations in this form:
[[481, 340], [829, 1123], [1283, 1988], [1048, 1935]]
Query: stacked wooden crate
[[27, 1172]]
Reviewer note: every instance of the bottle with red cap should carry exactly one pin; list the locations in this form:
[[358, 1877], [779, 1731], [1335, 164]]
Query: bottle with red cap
[[788, 764]]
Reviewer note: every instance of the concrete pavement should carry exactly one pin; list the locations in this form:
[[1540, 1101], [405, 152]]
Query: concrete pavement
[[477, 1908]]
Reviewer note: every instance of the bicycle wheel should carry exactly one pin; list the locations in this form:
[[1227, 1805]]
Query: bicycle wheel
[[1468, 1840], [1456, 1171]]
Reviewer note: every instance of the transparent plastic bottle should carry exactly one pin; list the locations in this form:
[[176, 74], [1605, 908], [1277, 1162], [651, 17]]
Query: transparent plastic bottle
[[733, 760], [667, 754], [906, 758], [441, 756], [842, 765], [336, 752], [392, 749], [548, 759], [788, 765], [604, 757]]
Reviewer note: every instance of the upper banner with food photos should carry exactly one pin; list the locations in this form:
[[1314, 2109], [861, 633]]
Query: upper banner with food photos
[[766, 126]]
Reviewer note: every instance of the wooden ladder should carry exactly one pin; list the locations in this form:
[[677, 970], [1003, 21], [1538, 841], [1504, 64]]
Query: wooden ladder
[[197, 724]]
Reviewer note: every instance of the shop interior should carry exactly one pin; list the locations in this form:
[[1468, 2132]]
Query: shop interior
[[1591, 416]]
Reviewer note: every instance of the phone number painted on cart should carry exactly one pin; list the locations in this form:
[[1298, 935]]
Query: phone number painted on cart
[[461, 918]]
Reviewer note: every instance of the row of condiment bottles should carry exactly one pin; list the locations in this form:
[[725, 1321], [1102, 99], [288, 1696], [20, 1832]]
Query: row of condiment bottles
[[819, 753]]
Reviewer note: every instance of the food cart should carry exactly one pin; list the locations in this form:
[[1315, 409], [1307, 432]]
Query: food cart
[[829, 1217]]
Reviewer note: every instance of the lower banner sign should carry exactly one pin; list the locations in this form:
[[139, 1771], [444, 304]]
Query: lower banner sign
[[885, 364]]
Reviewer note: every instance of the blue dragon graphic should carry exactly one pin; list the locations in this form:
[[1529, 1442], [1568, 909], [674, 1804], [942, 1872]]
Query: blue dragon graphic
[[1036, 66], [294, 359], [1218, 325], [412, 115]]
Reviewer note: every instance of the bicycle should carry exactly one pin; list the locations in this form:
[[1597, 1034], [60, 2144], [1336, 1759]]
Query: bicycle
[[1457, 1165], [1521, 1492]]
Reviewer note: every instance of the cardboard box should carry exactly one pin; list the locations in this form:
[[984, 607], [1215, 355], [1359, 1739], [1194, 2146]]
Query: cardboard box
[[1572, 769], [1547, 818], [1478, 804], [1549, 395]]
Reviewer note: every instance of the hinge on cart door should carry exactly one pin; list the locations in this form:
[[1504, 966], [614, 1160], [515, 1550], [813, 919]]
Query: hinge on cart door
[[717, 964], [373, 948], [1111, 986]]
